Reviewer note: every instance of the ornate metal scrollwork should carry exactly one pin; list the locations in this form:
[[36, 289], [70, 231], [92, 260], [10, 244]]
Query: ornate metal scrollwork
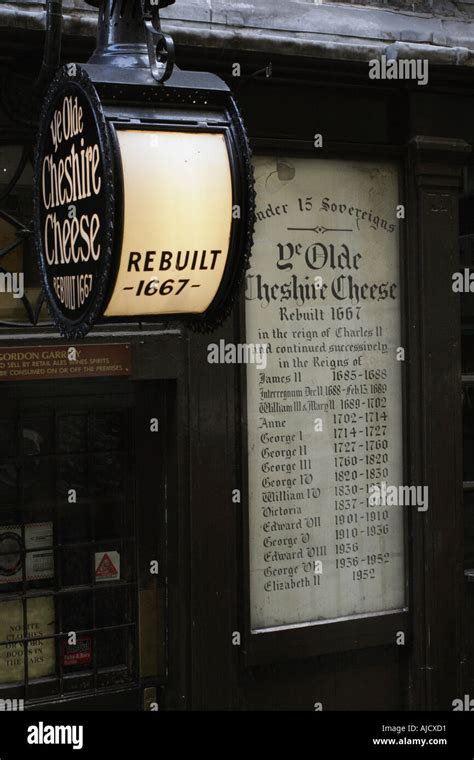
[[160, 45]]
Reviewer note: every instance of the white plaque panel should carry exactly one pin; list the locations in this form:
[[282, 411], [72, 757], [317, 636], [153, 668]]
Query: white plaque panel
[[325, 414]]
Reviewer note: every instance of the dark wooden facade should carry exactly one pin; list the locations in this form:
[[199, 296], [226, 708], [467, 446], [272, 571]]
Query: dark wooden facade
[[201, 455]]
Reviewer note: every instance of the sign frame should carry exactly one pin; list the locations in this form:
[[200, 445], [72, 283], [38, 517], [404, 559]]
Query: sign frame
[[326, 637]]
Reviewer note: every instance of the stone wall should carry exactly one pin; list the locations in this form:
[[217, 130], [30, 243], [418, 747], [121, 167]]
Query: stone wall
[[201, 8], [459, 8], [443, 30]]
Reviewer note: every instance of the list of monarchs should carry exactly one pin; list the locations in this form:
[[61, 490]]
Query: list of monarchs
[[325, 414]]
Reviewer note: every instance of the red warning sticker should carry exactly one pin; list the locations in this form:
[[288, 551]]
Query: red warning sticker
[[79, 653], [107, 566]]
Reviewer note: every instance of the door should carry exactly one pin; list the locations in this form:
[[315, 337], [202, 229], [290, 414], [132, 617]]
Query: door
[[82, 545]]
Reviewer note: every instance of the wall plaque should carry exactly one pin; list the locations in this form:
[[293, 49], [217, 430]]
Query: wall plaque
[[65, 362], [325, 415]]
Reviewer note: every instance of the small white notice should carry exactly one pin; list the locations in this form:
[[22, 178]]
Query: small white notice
[[37, 542]]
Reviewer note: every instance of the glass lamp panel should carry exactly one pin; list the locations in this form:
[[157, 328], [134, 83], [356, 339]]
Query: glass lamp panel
[[177, 222]]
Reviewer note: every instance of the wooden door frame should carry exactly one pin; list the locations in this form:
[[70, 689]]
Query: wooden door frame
[[159, 360]]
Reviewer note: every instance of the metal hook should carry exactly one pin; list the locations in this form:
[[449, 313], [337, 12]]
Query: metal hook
[[160, 45]]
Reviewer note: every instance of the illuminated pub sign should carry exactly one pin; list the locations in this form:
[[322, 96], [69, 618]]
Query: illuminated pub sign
[[135, 218]]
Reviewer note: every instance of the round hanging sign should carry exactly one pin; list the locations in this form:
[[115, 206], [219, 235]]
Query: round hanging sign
[[74, 202]]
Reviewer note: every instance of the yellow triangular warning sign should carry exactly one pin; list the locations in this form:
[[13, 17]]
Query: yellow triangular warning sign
[[106, 568]]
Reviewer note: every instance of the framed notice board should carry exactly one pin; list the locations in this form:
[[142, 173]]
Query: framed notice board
[[324, 418]]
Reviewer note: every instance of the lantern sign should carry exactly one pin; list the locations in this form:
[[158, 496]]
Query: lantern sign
[[147, 214]]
